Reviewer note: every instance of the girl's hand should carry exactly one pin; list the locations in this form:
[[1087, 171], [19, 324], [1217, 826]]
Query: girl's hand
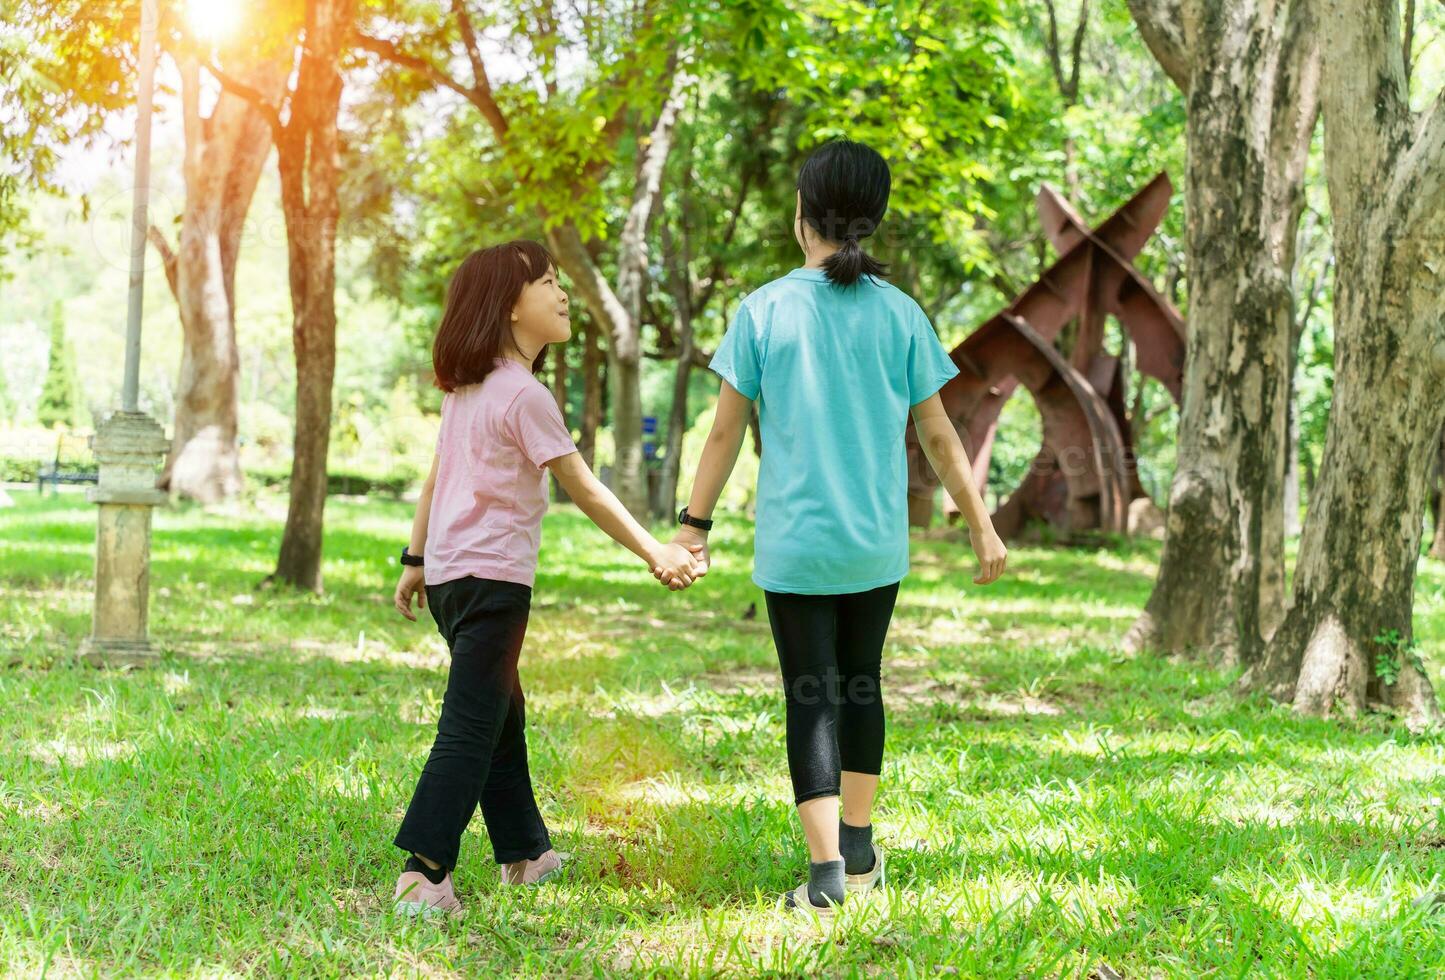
[[412, 583], [676, 566], [696, 543], [992, 555]]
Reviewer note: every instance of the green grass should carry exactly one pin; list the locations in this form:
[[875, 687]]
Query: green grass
[[1049, 805]]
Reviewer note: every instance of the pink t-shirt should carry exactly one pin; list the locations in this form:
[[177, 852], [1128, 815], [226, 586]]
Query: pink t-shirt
[[491, 488]]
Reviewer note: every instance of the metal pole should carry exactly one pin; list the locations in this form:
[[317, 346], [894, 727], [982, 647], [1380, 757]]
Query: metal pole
[[140, 201]]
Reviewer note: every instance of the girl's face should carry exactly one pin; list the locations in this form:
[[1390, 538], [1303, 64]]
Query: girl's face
[[798, 227], [541, 315]]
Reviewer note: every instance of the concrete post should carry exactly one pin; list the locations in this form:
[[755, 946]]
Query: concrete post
[[128, 446]]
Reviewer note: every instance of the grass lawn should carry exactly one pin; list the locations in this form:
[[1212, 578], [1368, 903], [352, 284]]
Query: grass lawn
[[1050, 806]]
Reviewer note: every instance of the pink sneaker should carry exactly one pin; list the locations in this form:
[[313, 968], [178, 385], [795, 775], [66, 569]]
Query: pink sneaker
[[532, 872], [415, 895]]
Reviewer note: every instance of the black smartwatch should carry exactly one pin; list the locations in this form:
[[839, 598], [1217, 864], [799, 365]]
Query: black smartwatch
[[409, 559], [684, 517]]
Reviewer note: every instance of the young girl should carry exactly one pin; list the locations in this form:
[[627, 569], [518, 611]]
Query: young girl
[[836, 359], [473, 557]]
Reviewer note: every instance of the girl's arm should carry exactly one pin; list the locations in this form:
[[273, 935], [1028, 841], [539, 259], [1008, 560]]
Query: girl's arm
[[412, 578], [945, 452], [719, 455], [606, 511]]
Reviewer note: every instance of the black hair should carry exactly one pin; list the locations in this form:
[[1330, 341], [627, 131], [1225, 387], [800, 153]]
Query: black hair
[[843, 188], [474, 328]]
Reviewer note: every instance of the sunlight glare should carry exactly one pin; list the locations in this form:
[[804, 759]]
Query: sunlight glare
[[214, 20]]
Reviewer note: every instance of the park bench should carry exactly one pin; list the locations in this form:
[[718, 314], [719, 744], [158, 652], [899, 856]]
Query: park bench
[[64, 468]]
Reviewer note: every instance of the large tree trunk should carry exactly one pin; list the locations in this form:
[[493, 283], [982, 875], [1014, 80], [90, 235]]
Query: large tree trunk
[[1347, 641], [1249, 69], [307, 150], [224, 154]]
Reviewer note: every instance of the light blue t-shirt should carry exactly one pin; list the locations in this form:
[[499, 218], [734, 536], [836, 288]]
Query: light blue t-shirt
[[834, 371]]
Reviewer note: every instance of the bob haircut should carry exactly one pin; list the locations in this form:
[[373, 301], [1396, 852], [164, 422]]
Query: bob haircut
[[476, 322], [843, 191]]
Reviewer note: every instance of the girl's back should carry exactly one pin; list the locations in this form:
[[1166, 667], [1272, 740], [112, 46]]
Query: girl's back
[[834, 371]]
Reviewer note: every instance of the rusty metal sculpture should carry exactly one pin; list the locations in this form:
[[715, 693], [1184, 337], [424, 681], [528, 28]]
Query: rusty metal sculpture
[[1084, 475]]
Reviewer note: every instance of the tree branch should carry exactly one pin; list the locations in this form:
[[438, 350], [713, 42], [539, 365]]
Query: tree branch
[[481, 85], [652, 160], [1159, 23], [1407, 48], [1421, 176], [1296, 102], [479, 95], [1078, 50], [168, 258], [270, 111], [1051, 41]]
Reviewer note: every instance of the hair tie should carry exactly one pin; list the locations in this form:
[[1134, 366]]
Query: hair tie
[[851, 238]]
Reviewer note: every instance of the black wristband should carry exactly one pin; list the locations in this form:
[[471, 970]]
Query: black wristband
[[684, 517], [410, 559]]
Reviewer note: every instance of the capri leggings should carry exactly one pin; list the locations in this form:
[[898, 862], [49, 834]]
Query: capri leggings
[[829, 649]]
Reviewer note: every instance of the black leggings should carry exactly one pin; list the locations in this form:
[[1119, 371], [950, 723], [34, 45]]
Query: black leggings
[[829, 648], [480, 752]]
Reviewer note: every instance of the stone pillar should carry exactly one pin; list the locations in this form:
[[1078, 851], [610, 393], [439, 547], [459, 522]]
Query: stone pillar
[[128, 447]]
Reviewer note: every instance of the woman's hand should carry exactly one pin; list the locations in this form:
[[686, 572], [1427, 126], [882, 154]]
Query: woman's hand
[[992, 555], [412, 583]]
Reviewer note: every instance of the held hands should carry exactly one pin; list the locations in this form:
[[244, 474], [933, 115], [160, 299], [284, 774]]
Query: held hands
[[992, 555], [689, 550]]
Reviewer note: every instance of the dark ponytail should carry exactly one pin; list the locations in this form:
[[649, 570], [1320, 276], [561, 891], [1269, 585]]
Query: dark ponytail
[[843, 193]]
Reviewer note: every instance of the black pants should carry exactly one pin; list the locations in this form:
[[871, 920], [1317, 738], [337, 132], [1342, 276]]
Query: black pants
[[480, 752], [829, 648]]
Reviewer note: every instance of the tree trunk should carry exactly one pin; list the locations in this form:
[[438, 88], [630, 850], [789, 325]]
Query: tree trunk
[[624, 364], [1347, 640], [680, 285], [559, 392], [307, 151], [224, 154], [1250, 74], [559, 377], [1291, 473], [1437, 547], [592, 383], [677, 420], [1350, 624]]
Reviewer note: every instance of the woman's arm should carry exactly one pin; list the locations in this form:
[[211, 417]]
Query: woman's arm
[[719, 456], [945, 453], [412, 577], [604, 509]]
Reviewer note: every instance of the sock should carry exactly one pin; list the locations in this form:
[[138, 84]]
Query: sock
[[436, 877], [825, 882], [856, 844]]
